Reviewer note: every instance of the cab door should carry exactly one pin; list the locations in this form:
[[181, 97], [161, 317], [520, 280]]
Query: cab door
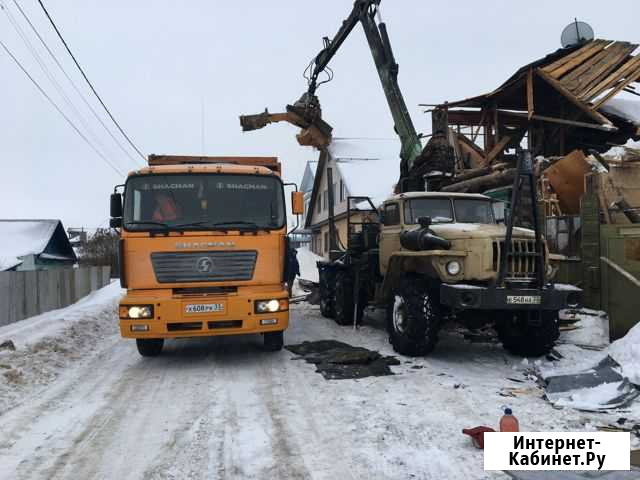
[[390, 233]]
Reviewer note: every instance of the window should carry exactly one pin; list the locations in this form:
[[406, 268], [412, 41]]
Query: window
[[341, 191], [203, 200], [473, 211], [326, 242], [319, 200], [391, 214], [335, 193], [439, 209]]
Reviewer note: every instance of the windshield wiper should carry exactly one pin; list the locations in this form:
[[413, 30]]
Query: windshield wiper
[[149, 222], [237, 222]]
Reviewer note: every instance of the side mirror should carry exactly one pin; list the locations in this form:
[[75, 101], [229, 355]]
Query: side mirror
[[115, 222], [425, 222], [499, 211], [116, 205], [297, 203]]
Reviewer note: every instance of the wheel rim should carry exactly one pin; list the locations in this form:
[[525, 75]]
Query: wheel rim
[[399, 314]]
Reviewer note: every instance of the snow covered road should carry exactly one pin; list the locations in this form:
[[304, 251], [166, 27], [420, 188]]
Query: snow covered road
[[223, 408]]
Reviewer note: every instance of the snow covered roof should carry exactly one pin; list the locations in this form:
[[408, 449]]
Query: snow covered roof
[[19, 238], [369, 166], [621, 107]]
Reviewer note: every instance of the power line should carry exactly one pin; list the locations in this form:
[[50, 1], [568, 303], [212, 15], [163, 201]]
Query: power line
[[68, 120], [73, 84], [49, 75], [88, 82]]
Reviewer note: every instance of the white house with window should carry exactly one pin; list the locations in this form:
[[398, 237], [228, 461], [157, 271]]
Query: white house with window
[[359, 167]]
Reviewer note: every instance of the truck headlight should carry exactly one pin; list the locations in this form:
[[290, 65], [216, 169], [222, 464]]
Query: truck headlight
[[453, 267], [136, 311], [271, 306]]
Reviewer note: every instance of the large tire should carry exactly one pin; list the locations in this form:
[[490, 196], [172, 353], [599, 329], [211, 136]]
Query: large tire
[[273, 341], [526, 333], [327, 293], [413, 317], [149, 347], [343, 305]]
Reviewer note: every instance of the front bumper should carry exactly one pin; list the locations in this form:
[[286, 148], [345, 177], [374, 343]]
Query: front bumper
[[171, 319], [473, 297]]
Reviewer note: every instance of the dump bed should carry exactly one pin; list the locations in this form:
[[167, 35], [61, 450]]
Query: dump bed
[[271, 163]]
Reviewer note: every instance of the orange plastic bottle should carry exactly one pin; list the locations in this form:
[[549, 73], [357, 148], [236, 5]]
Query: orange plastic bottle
[[509, 423]]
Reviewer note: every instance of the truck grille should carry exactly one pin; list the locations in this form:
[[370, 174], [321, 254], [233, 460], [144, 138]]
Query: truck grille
[[173, 267], [522, 264]]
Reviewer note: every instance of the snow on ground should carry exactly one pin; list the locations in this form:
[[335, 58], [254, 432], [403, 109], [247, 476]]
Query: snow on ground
[[47, 344], [223, 408]]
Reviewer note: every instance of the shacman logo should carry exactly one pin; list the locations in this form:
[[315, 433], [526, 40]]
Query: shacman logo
[[204, 244], [204, 265]]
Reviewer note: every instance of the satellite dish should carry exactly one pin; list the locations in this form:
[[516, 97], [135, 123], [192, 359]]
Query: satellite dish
[[576, 33]]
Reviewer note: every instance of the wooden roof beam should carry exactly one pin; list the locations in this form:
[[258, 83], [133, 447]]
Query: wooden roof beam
[[598, 117]]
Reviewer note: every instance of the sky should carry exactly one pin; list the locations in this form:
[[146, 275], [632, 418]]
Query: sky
[[170, 71]]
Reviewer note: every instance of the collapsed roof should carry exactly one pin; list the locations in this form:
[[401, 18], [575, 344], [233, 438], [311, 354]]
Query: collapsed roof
[[561, 102]]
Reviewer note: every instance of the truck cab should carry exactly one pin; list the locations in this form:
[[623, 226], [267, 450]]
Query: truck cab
[[203, 250]]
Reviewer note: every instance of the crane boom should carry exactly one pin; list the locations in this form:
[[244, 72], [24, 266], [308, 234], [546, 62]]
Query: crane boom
[[306, 112], [365, 12]]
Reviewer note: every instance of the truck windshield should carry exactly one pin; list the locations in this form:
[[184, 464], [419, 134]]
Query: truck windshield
[[203, 201], [439, 209], [472, 210], [443, 210]]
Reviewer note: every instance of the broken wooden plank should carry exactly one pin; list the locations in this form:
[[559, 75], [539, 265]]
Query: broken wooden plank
[[588, 52], [634, 76], [567, 58], [572, 98], [610, 80], [587, 68], [497, 149], [596, 74]]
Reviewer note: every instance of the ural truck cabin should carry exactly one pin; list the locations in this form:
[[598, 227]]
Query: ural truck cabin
[[203, 249]]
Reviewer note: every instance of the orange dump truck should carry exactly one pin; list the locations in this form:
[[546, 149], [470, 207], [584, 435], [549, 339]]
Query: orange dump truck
[[203, 249]]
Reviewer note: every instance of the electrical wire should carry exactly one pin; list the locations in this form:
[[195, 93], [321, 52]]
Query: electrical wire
[[50, 76], [68, 120], [73, 84], [66, 46]]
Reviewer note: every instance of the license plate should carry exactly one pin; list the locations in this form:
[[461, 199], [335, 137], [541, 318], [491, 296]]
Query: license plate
[[523, 299], [204, 307]]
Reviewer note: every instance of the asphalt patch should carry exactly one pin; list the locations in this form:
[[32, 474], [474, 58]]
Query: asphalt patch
[[339, 361]]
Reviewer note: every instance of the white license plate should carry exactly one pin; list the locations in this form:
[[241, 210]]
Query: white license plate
[[523, 299], [204, 307]]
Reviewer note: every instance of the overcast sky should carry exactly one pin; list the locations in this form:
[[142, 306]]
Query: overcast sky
[[156, 63]]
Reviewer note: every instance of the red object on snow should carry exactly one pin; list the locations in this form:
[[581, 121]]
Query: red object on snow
[[477, 435]]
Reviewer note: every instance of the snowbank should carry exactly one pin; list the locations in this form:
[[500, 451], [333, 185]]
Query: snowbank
[[47, 344], [626, 351], [307, 260]]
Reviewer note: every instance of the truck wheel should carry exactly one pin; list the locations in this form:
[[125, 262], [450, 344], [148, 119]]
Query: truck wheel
[[525, 334], [413, 318], [326, 294], [273, 341], [149, 347], [343, 304], [326, 307]]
